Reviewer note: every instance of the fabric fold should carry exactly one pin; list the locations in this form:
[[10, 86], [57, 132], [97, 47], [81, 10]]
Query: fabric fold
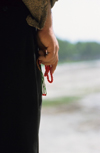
[[38, 12]]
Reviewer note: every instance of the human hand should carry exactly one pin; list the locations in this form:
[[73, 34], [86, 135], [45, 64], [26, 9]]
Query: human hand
[[47, 43], [48, 48]]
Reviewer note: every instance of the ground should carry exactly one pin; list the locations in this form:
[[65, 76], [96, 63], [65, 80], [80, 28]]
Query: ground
[[73, 127]]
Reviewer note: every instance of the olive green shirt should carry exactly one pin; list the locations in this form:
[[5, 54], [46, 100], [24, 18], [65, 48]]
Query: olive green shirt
[[38, 12]]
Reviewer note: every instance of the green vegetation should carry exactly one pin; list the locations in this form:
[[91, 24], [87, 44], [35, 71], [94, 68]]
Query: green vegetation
[[81, 51], [60, 101], [68, 52]]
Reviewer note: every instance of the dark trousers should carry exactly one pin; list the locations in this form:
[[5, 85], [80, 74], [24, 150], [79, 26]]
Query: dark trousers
[[20, 82]]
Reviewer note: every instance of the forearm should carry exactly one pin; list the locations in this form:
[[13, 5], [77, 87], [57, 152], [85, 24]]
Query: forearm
[[47, 42]]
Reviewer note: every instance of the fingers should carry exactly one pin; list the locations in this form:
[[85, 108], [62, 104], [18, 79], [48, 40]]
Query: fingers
[[41, 53], [53, 68], [49, 54], [48, 62], [53, 62], [48, 57]]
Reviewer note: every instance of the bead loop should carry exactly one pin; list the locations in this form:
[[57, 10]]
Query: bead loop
[[46, 74]]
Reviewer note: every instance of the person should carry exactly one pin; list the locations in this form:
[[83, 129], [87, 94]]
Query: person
[[26, 34]]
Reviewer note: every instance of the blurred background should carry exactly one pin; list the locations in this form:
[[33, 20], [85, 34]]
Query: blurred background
[[70, 121]]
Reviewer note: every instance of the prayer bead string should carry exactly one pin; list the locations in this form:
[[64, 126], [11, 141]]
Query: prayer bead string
[[47, 70]]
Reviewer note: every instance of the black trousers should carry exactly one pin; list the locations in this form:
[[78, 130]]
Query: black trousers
[[20, 82]]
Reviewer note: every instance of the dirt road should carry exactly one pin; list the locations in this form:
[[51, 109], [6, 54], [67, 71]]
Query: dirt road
[[72, 128], [75, 127], [75, 79]]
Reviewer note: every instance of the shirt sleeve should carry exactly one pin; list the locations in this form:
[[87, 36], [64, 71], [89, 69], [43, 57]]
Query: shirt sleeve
[[38, 12], [53, 2]]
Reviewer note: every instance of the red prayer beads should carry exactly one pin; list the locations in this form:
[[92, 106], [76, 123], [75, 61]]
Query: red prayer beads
[[47, 70]]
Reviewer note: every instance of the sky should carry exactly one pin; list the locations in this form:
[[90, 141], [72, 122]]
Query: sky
[[77, 20]]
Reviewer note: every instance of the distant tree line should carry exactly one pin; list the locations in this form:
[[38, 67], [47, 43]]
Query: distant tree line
[[80, 51]]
